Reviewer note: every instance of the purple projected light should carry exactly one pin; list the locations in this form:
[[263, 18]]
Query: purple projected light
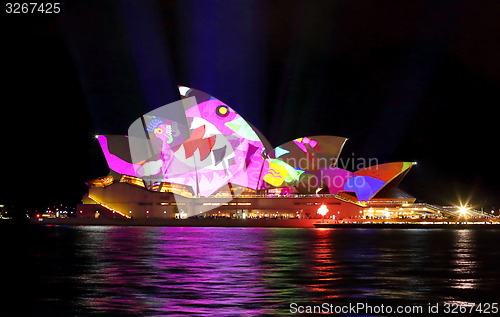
[[335, 178], [198, 142], [364, 186], [114, 162], [301, 142], [238, 149]]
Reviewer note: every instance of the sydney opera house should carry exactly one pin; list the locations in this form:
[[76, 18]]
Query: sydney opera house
[[198, 157]]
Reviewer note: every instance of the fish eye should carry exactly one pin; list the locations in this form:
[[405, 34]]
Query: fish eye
[[222, 111], [158, 131]]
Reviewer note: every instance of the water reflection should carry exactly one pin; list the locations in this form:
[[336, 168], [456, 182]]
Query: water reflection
[[178, 270], [247, 271], [464, 262], [324, 265]]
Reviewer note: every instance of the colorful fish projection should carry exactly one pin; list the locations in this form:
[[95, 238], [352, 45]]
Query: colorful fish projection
[[198, 141], [202, 143]]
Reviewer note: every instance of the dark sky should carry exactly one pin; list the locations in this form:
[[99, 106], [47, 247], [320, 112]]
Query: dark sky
[[403, 80]]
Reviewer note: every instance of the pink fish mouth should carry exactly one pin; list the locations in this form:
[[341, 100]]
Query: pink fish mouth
[[197, 142]]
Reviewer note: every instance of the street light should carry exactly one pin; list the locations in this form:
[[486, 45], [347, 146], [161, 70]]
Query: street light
[[463, 211]]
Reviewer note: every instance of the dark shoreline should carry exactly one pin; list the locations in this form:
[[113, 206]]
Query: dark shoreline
[[264, 223], [407, 225], [191, 222]]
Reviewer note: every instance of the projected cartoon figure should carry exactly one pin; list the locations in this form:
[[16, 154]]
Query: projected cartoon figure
[[206, 147], [166, 132]]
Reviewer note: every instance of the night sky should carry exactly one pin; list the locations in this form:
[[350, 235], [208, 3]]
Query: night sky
[[403, 80]]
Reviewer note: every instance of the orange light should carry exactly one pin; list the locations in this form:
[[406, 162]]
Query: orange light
[[105, 206], [323, 210]]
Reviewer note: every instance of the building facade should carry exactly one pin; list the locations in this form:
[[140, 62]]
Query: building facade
[[198, 158]]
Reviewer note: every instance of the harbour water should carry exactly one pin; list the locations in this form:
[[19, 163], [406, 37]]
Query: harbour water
[[181, 271]]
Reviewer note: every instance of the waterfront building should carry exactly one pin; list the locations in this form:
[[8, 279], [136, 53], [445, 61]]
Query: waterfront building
[[198, 157]]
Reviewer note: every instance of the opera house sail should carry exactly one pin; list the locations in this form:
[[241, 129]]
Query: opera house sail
[[199, 157]]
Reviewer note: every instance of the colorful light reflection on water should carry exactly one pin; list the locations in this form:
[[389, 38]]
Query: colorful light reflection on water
[[242, 271]]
